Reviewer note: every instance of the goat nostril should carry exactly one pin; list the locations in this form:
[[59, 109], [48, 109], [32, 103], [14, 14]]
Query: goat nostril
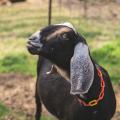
[[32, 38]]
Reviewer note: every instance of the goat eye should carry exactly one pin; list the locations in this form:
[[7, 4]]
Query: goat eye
[[64, 36]]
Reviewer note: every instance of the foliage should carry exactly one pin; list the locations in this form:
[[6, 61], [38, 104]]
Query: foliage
[[18, 63], [109, 57], [6, 113], [14, 56], [3, 110]]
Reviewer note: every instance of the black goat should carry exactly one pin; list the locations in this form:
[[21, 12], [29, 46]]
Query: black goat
[[77, 73]]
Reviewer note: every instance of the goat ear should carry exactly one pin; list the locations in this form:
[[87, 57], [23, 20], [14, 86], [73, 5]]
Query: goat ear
[[81, 70]]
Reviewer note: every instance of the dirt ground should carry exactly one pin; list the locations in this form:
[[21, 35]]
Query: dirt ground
[[17, 92]]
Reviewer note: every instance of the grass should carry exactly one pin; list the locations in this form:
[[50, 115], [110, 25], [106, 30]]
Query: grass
[[14, 31], [109, 57], [17, 63], [18, 22], [15, 58], [3, 110], [6, 113]]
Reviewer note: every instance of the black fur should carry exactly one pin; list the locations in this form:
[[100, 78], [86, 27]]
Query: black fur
[[54, 91]]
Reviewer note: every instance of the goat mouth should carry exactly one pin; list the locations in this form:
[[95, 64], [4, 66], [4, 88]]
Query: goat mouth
[[33, 48], [34, 44]]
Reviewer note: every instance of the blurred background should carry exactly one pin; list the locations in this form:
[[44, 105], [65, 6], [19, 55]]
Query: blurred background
[[97, 20]]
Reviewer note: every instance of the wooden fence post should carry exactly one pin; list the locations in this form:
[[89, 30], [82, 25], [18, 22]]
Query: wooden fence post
[[49, 12]]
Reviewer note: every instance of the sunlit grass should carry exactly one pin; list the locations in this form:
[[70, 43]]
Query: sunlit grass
[[109, 57], [19, 22]]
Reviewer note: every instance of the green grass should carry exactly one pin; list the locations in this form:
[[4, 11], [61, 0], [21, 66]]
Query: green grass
[[109, 57], [6, 113], [19, 22], [3, 110], [47, 118], [18, 63], [14, 57]]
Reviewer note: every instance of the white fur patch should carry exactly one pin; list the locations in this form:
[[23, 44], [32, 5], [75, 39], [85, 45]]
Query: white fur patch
[[67, 24], [36, 42], [82, 70], [37, 34], [62, 73]]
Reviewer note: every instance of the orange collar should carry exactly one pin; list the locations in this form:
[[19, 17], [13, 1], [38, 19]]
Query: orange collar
[[101, 95]]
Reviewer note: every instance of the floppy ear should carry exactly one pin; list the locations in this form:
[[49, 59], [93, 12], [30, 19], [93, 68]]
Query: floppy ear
[[81, 70]]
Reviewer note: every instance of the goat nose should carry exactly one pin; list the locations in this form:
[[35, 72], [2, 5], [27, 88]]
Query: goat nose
[[32, 38]]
